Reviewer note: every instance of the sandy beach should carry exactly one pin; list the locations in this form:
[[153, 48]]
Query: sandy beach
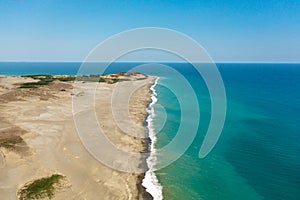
[[38, 138]]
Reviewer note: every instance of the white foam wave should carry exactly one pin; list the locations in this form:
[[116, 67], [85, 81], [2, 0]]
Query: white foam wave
[[150, 181]]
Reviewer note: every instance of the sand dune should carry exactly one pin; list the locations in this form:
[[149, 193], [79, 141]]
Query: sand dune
[[38, 138]]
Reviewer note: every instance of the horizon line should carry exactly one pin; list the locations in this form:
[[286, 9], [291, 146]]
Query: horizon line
[[77, 61]]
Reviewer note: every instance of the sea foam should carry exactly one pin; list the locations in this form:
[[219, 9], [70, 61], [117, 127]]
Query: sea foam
[[150, 182]]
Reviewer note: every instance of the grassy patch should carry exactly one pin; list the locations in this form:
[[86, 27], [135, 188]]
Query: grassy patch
[[43, 80], [67, 78], [47, 79], [28, 85], [112, 81], [36, 84], [40, 188], [90, 79], [102, 80]]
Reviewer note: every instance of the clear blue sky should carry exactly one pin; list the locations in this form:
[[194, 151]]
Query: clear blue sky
[[230, 30]]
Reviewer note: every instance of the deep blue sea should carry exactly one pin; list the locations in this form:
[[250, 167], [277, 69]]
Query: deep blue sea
[[258, 153]]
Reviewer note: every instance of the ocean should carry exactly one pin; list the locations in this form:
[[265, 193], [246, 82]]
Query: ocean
[[258, 153]]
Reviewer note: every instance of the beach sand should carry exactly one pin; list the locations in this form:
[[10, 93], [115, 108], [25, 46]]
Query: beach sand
[[38, 138]]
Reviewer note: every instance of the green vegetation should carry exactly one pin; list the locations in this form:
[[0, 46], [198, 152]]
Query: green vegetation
[[102, 80], [40, 188], [47, 79], [35, 84], [28, 85], [90, 79], [43, 80], [112, 81], [67, 78]]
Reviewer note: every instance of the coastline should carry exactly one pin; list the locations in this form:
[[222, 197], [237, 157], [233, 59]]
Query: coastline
[[150, 181], [42, 118], [146, 142]]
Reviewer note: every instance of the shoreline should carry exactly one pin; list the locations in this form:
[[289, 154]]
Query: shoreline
[[43, 116], [150, 181]]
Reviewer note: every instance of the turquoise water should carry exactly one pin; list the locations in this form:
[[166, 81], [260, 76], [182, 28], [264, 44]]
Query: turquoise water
[[258, 154]]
